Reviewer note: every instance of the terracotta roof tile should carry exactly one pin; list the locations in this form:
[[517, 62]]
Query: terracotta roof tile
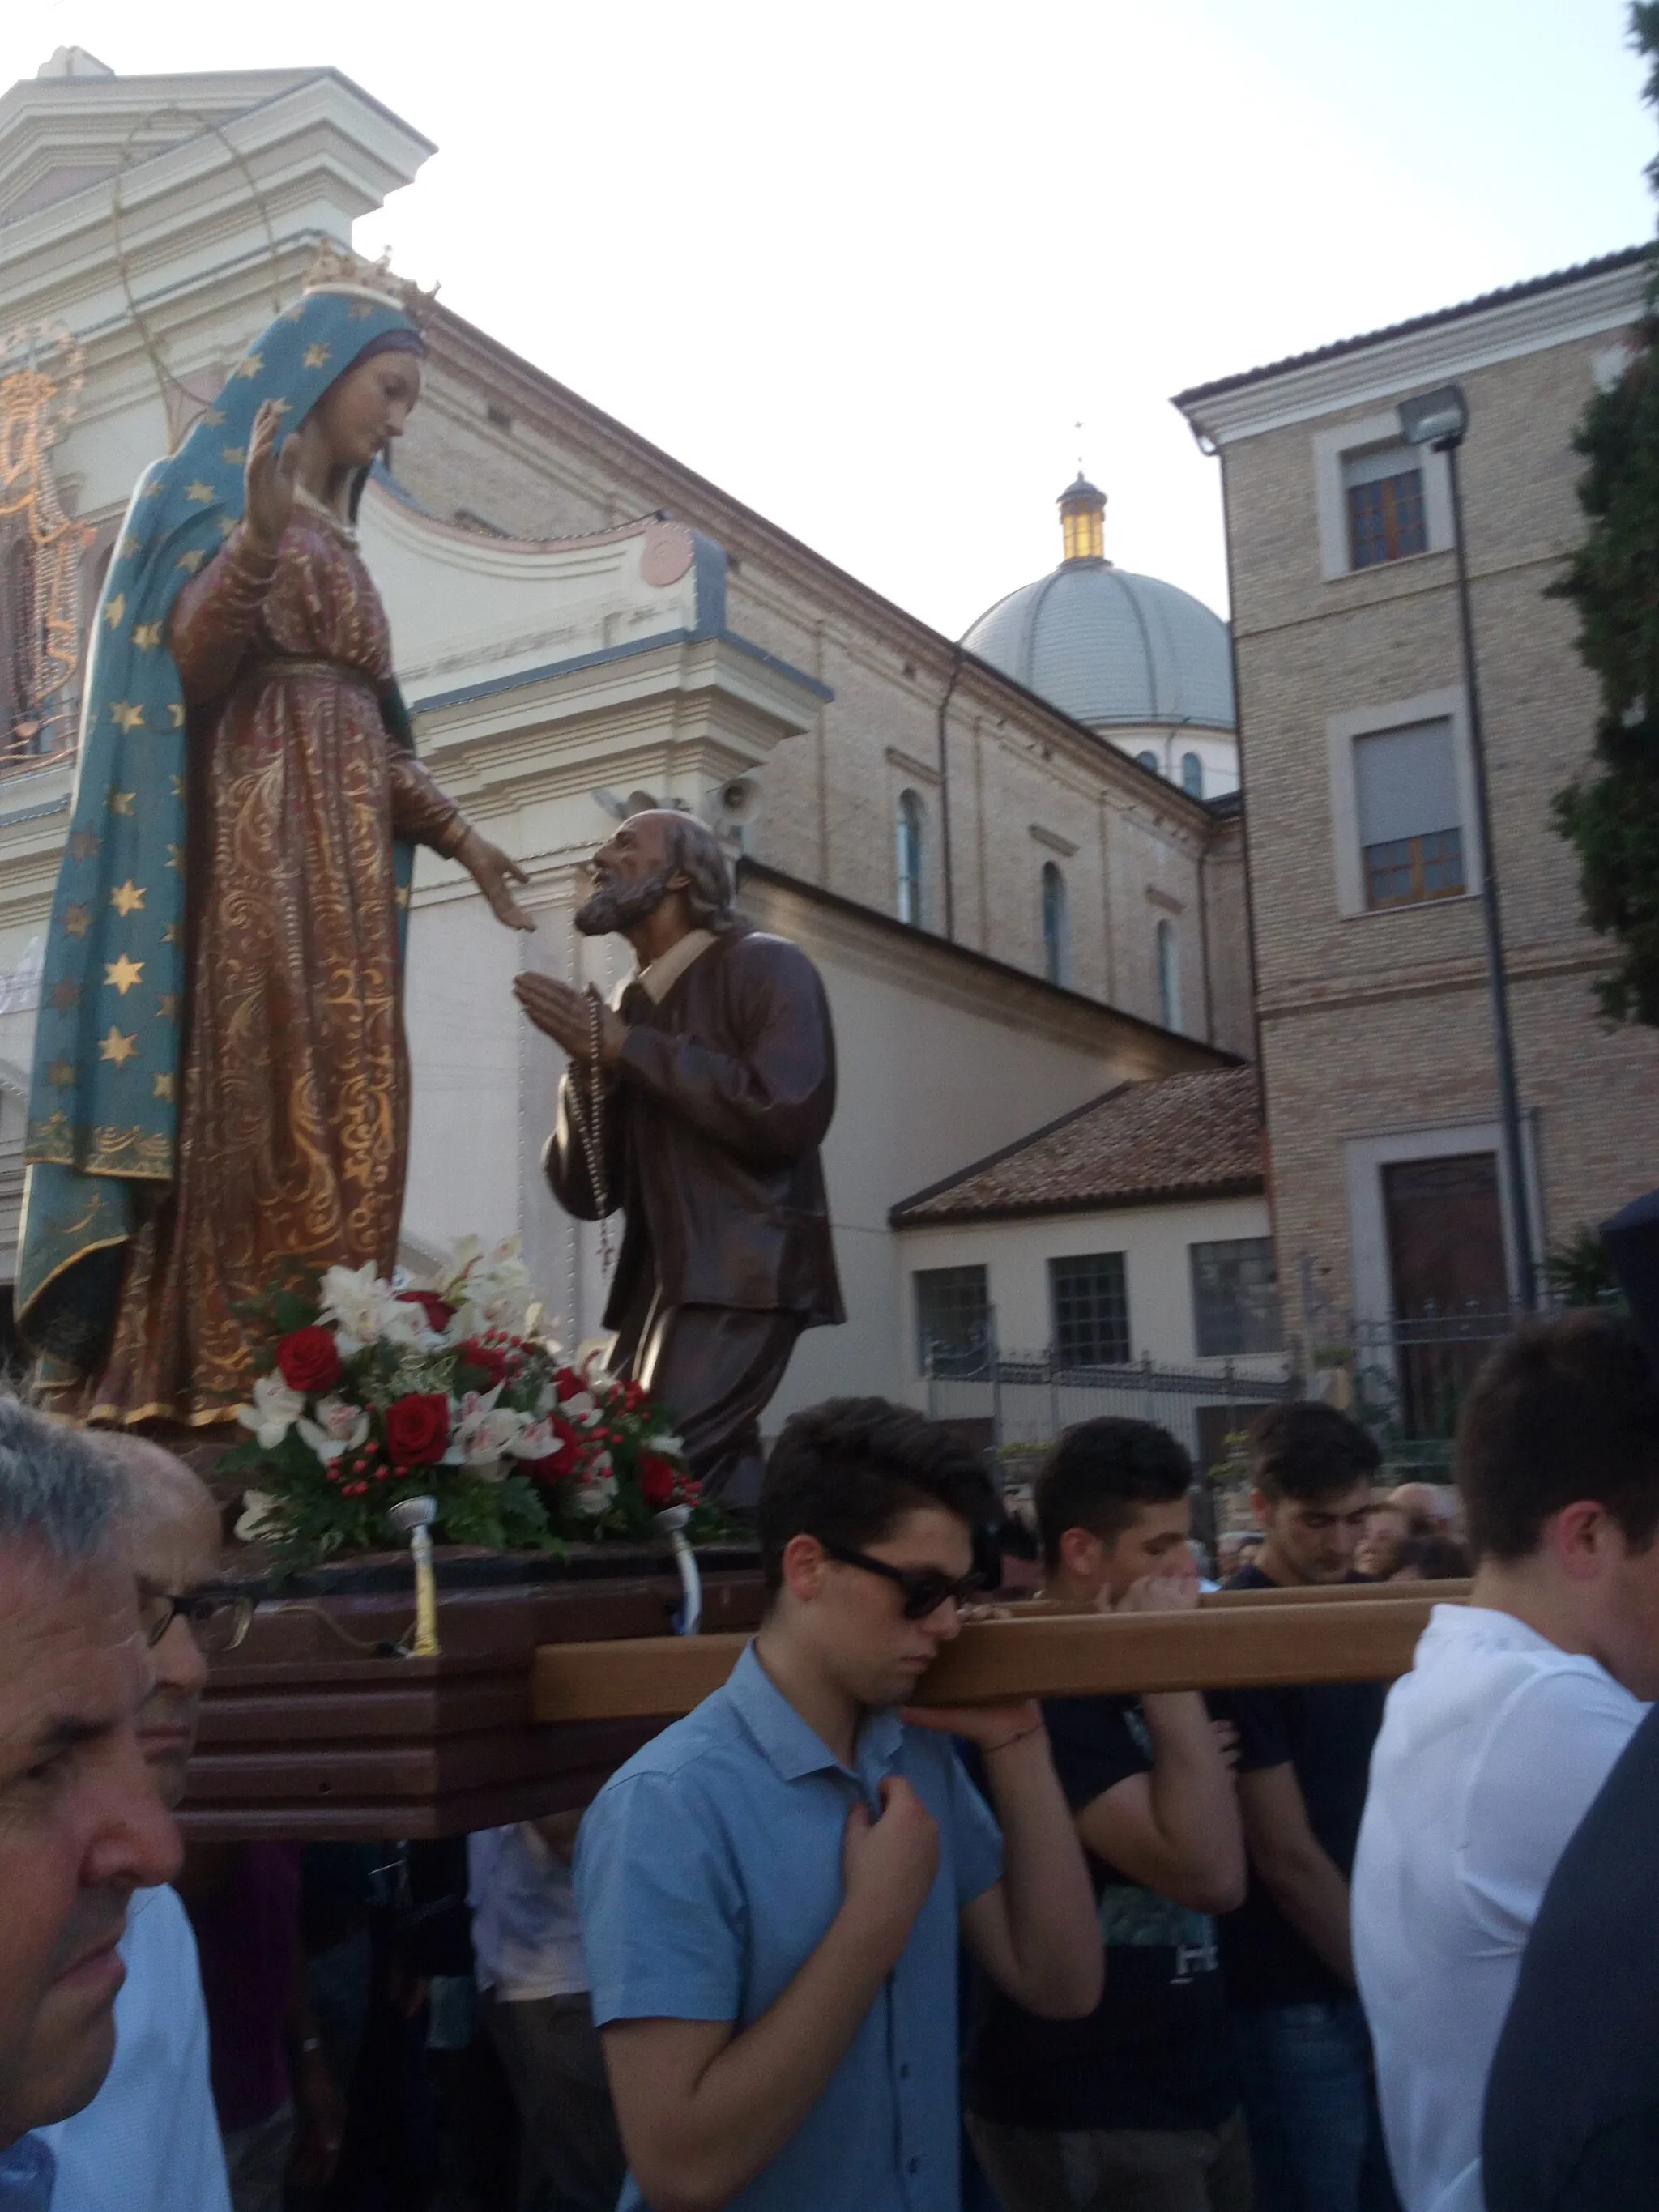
[[1179, 1136]]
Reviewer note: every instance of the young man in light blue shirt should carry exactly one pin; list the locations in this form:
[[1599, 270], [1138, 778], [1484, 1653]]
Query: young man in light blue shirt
[[772, 1891]]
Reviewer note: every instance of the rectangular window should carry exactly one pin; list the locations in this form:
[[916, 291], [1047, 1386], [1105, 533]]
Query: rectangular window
[[1383, 492], [953, 1321], [1088, 1300], [1410, 835], [1236, 1298]]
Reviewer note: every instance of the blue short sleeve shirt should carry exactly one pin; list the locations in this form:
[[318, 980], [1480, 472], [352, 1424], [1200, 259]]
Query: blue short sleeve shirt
[[708, 1870]]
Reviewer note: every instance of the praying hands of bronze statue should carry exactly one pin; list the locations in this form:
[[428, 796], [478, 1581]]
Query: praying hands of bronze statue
[[565, 1014]]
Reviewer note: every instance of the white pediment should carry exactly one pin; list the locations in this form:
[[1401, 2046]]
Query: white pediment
[[467, 610]]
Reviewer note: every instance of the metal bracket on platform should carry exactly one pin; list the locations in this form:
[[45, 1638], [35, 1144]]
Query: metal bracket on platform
[[671, 1520], [413, 1517]]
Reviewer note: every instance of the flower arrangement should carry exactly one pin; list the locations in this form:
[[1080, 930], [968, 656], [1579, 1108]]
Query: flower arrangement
[[377, 1391]]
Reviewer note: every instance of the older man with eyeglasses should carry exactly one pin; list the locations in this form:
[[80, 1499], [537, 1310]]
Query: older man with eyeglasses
[[149, 2140]]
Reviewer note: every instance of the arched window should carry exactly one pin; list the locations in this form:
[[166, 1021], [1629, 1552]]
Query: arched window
[[1192, 775], [1147, 760], [1056, 926], [911, 880], [1168, 975]]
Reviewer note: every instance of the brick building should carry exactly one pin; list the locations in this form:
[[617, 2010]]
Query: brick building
[[1364, 858]]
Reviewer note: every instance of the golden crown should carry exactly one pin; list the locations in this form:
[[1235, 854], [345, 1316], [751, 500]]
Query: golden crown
[[337, 269]]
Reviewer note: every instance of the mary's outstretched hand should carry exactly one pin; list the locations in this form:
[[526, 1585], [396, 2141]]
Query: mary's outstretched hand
[[494, 874]]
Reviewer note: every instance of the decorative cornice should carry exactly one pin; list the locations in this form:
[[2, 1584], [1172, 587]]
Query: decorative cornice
[[1363, 371]]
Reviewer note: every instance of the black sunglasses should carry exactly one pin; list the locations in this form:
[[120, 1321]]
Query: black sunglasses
[[924, 1588]]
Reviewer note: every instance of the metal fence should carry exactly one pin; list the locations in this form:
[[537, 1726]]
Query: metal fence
[[1405, 1378], [1029, 1397]]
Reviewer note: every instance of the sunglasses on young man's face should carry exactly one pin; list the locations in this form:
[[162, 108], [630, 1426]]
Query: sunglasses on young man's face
[[922, 1590]]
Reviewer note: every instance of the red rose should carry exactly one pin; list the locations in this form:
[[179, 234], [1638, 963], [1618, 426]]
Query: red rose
[[659, 1479], [490, 1362], [567, 1384], [417, 1428], [309, 1360], [438, 1314]]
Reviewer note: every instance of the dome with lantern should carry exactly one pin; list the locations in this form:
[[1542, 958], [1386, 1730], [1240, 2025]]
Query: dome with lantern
[[1141, 662]]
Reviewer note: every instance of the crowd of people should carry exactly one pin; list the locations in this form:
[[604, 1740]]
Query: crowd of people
[[1305, 1948]]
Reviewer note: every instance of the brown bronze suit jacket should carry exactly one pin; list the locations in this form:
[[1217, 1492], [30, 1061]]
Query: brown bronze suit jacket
[[713, 1119]]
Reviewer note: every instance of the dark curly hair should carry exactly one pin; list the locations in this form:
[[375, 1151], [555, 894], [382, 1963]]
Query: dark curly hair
[[1097, 1474], [844, 1471], [1305, 1451]]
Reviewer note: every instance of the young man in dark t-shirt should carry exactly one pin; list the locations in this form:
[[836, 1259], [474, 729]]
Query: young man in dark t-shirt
[[1303, 1761], [1138, 2105]]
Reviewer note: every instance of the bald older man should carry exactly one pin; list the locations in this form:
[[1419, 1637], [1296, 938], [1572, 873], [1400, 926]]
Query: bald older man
[[716, 1085], [82, 1828], [149, 2140]]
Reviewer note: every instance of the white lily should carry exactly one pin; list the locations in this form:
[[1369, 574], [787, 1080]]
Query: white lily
[[275, 1410], [339, 1427], [255, 1519], [486, 1430], [593, 1496], [402, 1322], [353, 1299]]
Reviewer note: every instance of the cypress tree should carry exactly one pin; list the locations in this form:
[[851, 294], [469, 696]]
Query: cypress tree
[[1611, 815]]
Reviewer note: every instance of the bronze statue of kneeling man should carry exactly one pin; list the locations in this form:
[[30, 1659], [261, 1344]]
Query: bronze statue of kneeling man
[[716, 1082]]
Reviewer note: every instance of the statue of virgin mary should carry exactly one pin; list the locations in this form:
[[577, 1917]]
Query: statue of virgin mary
[[221, 1084]]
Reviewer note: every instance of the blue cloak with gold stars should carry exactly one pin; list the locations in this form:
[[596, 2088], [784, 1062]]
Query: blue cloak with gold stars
[[103, 1102]]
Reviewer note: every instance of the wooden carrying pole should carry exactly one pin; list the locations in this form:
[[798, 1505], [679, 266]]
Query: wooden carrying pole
[[1236, 1639]]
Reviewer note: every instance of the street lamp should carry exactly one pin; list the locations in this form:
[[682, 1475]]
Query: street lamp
[[1440, 421]]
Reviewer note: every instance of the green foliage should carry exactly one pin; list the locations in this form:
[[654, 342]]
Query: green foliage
[[1611, 816], [1580, 1272]]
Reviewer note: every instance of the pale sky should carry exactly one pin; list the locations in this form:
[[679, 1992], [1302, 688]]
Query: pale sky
[[865, 264]]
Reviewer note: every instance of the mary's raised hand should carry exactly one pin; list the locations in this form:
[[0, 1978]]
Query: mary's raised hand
[[268, 478]]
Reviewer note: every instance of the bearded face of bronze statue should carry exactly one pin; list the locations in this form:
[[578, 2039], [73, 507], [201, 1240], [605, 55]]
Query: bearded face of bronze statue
[[651, 854]]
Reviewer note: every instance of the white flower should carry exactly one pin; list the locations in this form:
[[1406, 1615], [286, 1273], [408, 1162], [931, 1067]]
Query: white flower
[[484, 1429], [402, 1322], [275, 1410], [255, 1521], [354, 1299], [592, 1497], [339, 1426]]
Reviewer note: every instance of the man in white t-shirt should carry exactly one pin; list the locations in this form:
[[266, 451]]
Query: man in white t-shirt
[[533, 1993], [1518, 1705], [149, 2141]]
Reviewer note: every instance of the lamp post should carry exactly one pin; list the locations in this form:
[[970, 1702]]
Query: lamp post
[[1440, 420]]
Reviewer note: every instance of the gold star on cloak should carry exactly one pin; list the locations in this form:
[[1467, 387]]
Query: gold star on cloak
[[128, 899], [164, 1086], [61, 1074], [235, 454], [125, 715], [173, 934], [64, 996], [178, 781], [214, 417], [115, 610], [317, 356], [178, 715], [362, 312], [77, 920], [131, 548], [117, 1048], [227, 526], [83, 845], [201, 493], [146, 636], [154, 490], [280, 407], [120, 802], [176, 857], [123, 973], [167, 1006], [251, 365], [192, 562]]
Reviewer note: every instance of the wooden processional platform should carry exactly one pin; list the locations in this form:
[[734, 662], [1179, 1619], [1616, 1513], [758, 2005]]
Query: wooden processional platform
[[544, 1688]]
